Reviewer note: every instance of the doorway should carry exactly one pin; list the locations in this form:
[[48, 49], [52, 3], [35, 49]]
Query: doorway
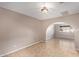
[[60, 30]]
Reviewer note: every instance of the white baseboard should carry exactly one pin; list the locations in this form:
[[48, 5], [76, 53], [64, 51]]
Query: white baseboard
[[18, 49]]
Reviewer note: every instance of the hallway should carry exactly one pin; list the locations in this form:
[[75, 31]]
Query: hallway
[[54, 47]]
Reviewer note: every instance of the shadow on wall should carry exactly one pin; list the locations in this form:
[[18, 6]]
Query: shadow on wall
[[50, 32], [60, 30]]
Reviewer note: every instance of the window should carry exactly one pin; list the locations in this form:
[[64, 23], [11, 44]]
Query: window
[[66, 28]]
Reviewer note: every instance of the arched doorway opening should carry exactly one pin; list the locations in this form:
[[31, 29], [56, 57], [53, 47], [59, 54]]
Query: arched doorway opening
[[60, 30], [61, 35]]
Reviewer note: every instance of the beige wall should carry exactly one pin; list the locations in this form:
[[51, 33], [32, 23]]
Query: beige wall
[[17, 31], [71, 19]]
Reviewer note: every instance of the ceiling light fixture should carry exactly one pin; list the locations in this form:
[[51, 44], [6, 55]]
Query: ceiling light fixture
[[44, 8]]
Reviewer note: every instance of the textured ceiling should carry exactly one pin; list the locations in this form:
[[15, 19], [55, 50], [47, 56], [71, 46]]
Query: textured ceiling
[[33, 9]]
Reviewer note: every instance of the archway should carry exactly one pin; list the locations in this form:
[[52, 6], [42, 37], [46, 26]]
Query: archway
[[60, 30]]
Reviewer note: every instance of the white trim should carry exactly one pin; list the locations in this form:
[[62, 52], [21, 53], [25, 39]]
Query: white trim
[[19, 49]]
